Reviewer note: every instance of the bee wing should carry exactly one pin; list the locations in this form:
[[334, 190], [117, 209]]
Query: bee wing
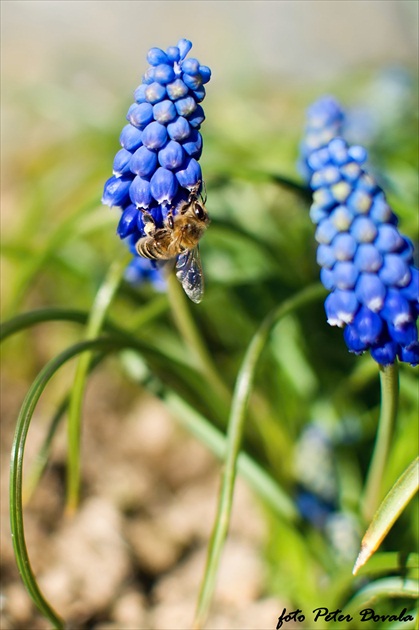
[[190, 275]]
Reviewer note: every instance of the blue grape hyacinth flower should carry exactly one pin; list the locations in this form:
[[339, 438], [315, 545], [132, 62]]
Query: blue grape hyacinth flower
[[317, 495], [367, 264], [158, 164], [141, 270], [314, 469]]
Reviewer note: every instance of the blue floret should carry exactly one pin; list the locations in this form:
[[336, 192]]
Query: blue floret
[[161, 144], [367, 264]]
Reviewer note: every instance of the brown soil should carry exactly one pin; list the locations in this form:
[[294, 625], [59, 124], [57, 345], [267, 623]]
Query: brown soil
[[133, 554]]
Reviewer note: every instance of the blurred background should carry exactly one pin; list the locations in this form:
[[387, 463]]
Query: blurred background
[[134, 553], [84, 55]]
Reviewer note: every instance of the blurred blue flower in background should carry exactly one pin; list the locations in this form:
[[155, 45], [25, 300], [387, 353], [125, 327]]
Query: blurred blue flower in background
[[157, 166], [367, 264], [314, 465], [382, 106], [315, 473], [325, 120], [317, 493]]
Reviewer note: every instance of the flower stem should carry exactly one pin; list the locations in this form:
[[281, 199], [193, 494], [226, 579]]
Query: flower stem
[[373, 490], [235, 429], [95, 322], [193, 339]]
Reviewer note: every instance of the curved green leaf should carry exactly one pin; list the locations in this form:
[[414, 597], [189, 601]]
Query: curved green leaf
[[103, 300], [26, 320], [235, 428], [40, 461], [16, 470], [390, 509], [261, 482], [394, 587]]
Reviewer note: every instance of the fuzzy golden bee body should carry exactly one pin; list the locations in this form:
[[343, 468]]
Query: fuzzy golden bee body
[[179, 238]]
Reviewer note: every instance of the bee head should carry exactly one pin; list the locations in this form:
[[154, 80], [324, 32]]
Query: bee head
[[200, 212]]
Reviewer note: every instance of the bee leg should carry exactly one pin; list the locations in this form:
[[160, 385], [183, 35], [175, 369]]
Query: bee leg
[[204, 193], [149, 223], [143, 247], [194, 193], [169, 220]]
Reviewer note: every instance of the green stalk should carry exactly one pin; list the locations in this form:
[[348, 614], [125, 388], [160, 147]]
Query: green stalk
[[95, 322], [193, 340], [40, 316], [373, 491], [235, 429], [40, 461]]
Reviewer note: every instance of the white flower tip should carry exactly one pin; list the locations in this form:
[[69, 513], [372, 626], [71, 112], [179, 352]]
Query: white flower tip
[[335, 321], [402, 319], [376, 304]]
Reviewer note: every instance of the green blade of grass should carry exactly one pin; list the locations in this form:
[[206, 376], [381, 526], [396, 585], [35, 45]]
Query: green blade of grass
[[391, 561], [16, 470], [390, 509], [156, 353], [235, 428], [392, 587], [100, 307], [39, 316], [207, 433], [40, 461], [191, 335], [23, 321]]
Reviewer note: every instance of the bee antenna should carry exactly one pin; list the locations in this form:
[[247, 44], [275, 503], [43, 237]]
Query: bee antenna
[[193, 193], [204, 193]]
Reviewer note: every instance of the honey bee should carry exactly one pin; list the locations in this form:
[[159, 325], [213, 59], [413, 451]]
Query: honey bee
[[179, 238]]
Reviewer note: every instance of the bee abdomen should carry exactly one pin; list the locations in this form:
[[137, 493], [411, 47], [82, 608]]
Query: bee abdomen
[[146, 247]]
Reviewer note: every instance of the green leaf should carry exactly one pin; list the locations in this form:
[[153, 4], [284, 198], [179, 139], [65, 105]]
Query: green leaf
[[103, 300], [388, 512], [391, 561], [394, 587], [26, 320], [235, 429], [16, 471], [41, 459]]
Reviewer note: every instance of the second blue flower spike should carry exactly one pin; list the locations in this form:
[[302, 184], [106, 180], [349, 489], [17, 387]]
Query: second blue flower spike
[[367, 264]]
